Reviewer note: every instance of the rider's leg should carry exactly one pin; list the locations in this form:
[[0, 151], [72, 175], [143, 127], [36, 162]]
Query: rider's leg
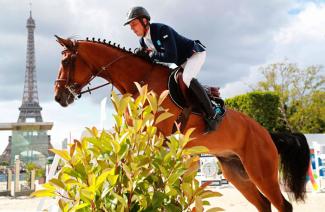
[[191, 68], [200, 94]]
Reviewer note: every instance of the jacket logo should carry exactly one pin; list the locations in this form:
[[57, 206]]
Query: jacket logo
[[158, 42]]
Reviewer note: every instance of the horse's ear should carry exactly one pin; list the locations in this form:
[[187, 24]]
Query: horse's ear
[[64, 42]]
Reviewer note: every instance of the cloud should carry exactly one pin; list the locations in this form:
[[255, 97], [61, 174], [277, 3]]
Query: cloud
[[301, 40], [237, 35]]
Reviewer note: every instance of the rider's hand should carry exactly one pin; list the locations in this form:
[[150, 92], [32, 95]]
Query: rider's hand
[[143, 53], [149, 52]]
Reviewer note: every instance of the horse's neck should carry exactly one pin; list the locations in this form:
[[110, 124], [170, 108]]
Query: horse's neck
[[123, 68], [129, 70]]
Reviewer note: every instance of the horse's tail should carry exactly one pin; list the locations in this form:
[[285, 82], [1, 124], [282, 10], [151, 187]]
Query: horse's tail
[[295, 158]]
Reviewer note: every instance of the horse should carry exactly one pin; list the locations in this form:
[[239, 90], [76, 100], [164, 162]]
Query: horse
[[250, 157]]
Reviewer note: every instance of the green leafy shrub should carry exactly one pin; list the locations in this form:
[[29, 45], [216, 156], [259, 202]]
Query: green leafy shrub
[[261, 106], [131, 168], [39, 171]]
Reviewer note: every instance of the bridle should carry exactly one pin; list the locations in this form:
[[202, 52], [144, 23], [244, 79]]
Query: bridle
[[68, 64]]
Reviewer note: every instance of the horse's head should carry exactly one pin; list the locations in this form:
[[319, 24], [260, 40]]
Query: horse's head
[[74, 73], [82, 61]]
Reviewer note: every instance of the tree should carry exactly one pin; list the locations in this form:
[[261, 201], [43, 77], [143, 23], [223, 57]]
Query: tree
[[299, 90]]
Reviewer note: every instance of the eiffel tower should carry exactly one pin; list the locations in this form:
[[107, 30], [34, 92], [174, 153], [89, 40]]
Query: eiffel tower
[[29, 137], [30, 108]]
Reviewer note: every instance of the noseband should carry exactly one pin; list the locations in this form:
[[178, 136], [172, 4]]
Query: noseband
[[69, 65]]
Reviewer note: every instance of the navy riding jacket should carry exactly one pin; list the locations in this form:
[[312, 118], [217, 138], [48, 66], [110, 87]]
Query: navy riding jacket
[[171, 47]]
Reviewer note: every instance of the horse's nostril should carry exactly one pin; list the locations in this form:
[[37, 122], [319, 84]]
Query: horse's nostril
[[57, 98]]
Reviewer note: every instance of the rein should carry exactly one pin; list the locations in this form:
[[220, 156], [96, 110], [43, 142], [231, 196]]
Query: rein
[[103, 68]]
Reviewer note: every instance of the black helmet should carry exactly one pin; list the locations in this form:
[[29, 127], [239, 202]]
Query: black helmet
[[136, 12]]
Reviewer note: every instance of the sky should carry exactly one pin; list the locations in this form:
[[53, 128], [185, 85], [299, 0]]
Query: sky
[[241, 37]]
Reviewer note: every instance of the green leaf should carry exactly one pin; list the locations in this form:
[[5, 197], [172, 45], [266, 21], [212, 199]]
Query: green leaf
[[43, 193], [187, 135], [49, 186], [119, 198], [57, 182], [80, 206], [118, 121], [158, 199], [137, 125], [123, 150], [87, 193], [115, 99], [195, 150], [194, 167], [72, 172], [91, 179], [72, 182], [112, 179], [153, 102], [163, 171], [187, 189], [142, 90], [163, 96], [209, 194], [94, 131], [173, 208], [62, 153], [163, 116], [148, 119], [168, 157], [127, 171], [72, 149], [123, 105], [202, 187], [116, 146], [84, 143], [62, 204], [175, 176]]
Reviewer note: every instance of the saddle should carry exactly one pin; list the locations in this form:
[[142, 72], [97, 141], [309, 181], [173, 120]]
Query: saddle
[[185, 100]]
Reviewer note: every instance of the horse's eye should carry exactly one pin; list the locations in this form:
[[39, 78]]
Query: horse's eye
[[65, 62]]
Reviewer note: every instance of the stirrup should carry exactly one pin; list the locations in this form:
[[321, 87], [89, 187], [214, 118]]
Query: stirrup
[[218, 108], [213, 122]]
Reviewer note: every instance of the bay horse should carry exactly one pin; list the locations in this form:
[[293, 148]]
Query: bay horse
[[248, 154]]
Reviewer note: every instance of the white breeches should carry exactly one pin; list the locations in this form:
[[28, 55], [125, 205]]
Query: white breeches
[[193, 66]]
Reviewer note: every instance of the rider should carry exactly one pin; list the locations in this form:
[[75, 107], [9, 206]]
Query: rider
[[163, 44]]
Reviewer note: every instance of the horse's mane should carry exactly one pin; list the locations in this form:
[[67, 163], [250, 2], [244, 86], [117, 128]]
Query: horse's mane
[[117, 46]]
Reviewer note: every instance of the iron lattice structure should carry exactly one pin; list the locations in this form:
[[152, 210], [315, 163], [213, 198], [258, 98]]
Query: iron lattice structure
[[30, 107], [29, 140]]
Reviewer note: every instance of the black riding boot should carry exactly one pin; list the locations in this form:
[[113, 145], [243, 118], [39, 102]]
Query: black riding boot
[[211, 117]]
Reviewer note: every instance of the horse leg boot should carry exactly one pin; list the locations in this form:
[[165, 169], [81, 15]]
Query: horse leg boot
[[211, 117]]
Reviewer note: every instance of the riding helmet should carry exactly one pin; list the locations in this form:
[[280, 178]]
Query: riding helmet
[[136, 12]]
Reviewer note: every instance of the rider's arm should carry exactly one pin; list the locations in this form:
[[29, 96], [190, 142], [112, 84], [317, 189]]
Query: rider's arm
[[168, 42]]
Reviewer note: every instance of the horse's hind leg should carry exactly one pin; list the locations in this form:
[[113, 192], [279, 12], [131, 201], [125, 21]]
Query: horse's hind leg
[[235, 173], [262, 169]]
